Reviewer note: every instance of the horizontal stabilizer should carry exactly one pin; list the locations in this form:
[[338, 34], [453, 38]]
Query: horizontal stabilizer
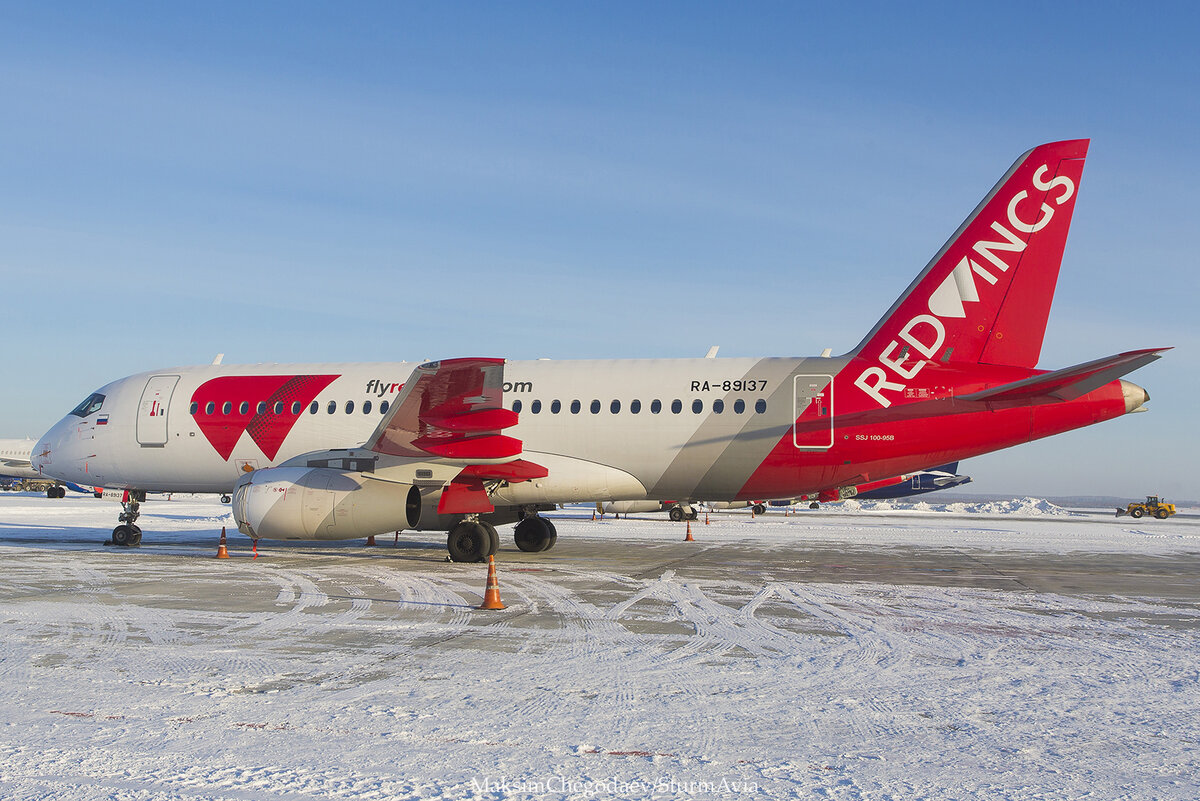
[[1070, 382]]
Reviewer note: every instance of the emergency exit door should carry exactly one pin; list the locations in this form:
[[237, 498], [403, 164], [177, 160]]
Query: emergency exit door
[[814, 412]]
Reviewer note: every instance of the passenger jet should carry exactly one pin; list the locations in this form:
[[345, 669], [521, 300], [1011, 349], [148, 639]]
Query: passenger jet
[[342, 451]]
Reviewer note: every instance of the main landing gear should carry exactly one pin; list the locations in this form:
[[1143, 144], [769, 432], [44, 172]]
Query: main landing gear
[[535, 534], [472, 540], [127, 533], [681, 512]]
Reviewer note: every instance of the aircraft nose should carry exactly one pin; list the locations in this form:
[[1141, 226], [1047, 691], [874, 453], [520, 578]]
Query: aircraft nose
[[1135, 396], [50, 450]]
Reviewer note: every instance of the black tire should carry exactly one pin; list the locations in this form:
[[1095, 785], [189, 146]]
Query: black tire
[[533, 534], [468, 542], [51, 492], [123, 535], [759, 509], [225, 499], [676, 514], [553, 535], [1161, 514], [137, 536], [493, 537], [814, 505], [692, 515], [1136, 512]]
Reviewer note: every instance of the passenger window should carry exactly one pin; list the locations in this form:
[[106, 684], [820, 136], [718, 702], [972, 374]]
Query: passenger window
[[210, 407], [517, 406], [739, 406], [595, 407], [676, 406], [655, 406], [332, 407], [555, 407], [244, 407], [760, 406], [615, 407], [718, 406], [575, 406], [296, 407], [226, 407], [278, 408], [195, 407], [349, 407], [383, 407], [312, 408], [635, 406], [366, 407], [536, 407], [262, 407], [697, 406]]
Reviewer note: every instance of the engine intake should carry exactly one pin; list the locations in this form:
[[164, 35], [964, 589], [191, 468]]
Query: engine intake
[[319, 503]]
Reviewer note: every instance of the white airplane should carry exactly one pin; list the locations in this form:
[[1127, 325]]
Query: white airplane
[[343, 451], [16, 464]]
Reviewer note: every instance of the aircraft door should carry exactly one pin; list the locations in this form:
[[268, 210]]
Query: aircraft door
[[813, 429], [152, 411]]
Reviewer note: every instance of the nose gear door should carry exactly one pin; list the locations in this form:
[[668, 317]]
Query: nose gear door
[[152, 411]]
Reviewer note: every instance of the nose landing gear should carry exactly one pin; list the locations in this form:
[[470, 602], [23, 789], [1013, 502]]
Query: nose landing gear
[[127, 533]]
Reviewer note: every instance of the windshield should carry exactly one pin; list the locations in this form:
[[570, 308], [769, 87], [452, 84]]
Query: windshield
[[90, 406]]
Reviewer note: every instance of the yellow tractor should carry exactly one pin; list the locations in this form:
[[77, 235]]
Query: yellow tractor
[[1152, 506]]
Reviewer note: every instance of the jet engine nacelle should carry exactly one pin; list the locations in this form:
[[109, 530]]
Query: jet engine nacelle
[[320, 503]]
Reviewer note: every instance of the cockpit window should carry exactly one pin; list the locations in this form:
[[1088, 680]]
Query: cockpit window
[[89, 406]]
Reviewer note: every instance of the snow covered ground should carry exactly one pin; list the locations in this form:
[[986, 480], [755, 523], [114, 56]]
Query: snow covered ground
[[628, 664]]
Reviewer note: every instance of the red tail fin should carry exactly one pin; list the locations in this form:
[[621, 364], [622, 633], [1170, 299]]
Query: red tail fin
[[986, 295]]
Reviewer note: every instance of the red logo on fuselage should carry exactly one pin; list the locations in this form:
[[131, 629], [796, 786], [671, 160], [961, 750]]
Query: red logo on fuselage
[[264, 406]]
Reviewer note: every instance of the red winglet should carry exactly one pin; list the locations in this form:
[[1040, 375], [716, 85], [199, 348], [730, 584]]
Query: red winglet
[[513, 472], [443, 401], [471, 422], [496, 446]]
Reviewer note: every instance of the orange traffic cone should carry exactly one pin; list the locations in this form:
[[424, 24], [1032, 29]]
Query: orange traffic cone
[[706, 518], [222, 551], [689, 537], [593, 515], [491, 595], [370, 541]]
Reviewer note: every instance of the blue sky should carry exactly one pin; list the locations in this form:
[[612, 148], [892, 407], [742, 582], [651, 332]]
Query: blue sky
[[362, 182]]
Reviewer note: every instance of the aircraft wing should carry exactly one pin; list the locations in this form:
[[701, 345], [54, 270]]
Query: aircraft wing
[[453, 410], [1070, 382]]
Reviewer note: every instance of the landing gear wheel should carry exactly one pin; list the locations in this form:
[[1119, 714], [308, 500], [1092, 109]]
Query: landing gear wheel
[[493, 537], [1136, 512], [136, 539], [814, 505], [759, 509], [225, 499], [676, 514], [469, 542], [692, 515], [534, 534], [123, 535]]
